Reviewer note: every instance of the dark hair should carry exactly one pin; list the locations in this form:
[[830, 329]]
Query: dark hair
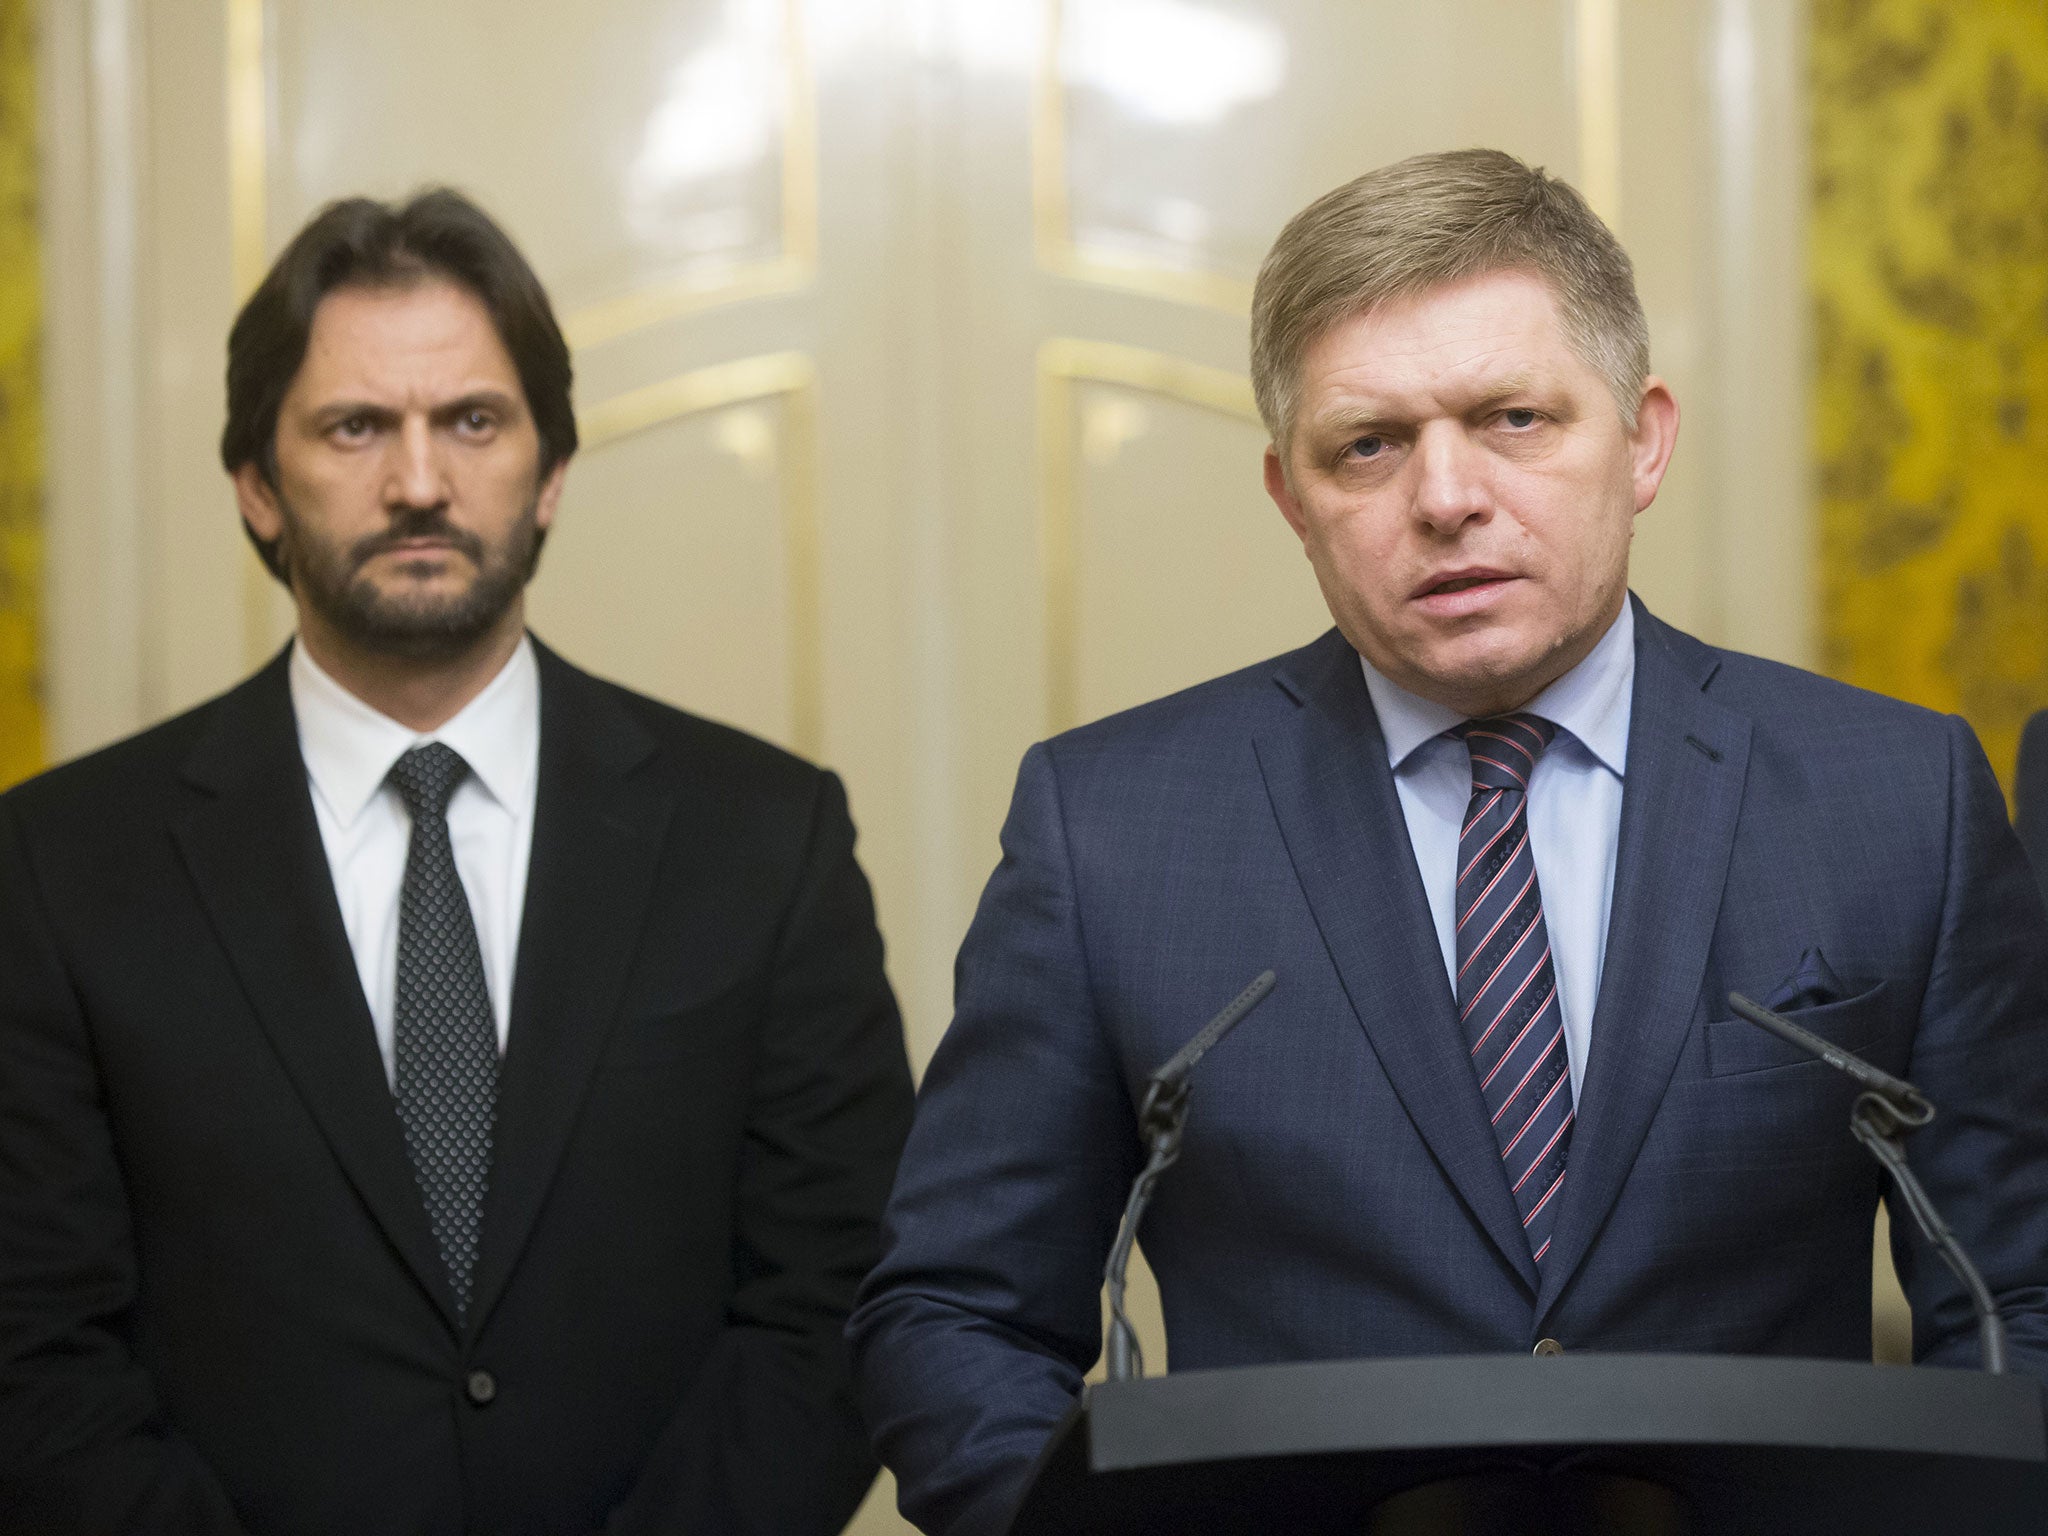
[[359, 242]]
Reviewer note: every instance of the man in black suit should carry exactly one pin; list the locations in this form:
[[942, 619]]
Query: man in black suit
[[439, 1091]]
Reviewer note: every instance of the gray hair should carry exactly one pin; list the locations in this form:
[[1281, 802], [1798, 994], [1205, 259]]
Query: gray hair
[[1436, 219]]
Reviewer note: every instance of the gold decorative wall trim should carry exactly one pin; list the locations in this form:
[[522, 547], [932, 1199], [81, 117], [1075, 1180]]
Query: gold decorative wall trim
[[21, 402], [1928, 255], [1063, 363], [791, 378]]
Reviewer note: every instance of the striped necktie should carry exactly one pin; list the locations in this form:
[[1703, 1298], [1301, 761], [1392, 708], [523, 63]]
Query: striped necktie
[[1507, 985]]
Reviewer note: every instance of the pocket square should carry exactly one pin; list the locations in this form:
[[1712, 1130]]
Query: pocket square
[[1812, 984]]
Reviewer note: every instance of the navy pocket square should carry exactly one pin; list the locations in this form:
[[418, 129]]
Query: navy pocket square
[[1811, 985]]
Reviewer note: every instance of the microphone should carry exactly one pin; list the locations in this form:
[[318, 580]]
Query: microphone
[[1886, 1111], [1160, 1118]]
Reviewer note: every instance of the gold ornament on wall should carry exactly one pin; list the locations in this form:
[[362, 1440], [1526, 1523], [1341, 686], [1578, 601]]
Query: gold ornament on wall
[[21, 716], [1929, 264]]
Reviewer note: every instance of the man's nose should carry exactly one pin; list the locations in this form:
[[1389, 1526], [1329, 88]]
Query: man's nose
[[415, 477], [1451, 487]]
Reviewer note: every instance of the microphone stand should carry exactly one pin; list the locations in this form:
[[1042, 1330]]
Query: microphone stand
[[1887, 1110], [1160, 1119]]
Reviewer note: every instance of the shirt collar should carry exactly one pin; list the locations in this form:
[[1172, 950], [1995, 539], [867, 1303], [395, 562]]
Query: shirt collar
[[349, 747], [1592, 702]]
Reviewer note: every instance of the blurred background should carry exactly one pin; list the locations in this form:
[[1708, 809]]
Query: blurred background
[[910, 342]]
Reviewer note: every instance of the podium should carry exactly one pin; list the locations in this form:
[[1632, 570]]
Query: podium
[[1591, 1445]]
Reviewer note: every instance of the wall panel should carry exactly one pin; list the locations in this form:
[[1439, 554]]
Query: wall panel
[[713, 598], [649, 160], [1174, 137], [1154, 581]]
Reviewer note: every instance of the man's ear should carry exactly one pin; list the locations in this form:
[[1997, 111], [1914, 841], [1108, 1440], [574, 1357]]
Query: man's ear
[[257, 501], [1656, 434], [549, 496], [1283, 493]]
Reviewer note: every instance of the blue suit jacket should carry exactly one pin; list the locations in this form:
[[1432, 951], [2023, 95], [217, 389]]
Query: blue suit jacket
[[2030, 796], [1340, 1192]]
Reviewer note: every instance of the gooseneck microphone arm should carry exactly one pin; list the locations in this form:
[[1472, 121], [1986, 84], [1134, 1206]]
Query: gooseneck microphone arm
[[1160, 1118], [1887, 1110]]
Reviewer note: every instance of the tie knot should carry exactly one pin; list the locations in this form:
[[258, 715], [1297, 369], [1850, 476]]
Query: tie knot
[[426, 776], [1505, 748]]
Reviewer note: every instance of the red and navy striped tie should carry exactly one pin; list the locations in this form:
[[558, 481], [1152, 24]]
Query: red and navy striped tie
[[1507, 985]]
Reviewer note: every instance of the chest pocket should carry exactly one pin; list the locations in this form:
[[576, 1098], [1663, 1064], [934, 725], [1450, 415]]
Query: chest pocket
[[720, 1026], [1735, 1046]]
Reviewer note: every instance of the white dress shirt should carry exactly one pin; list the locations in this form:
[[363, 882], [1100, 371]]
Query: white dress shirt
[[349, 748], [1574, 810]]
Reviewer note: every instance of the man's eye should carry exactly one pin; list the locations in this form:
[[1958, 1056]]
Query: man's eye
[[477, 421], [352, 429], [1369, 446], [1519, 418]]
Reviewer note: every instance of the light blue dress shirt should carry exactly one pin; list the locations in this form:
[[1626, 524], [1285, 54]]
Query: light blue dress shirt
[[1574, 811]]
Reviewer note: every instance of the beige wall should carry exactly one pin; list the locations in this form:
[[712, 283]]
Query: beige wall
[[909, 335]]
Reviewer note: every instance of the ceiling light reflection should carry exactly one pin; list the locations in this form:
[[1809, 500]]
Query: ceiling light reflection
[[1109, 424], [746, 433], [999, 35], [1174, 61], [718, 115]]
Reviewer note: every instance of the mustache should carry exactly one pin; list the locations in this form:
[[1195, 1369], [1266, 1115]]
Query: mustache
[[416, 523]]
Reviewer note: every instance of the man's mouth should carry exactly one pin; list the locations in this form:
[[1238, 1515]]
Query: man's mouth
[[418, 542], [1460, 581]]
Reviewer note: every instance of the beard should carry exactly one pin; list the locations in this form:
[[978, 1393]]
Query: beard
[[410, 625]]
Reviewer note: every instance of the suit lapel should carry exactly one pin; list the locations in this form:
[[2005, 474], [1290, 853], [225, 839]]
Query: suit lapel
[[253, 850], [597, 839], [1333, 794], [1687, 760]]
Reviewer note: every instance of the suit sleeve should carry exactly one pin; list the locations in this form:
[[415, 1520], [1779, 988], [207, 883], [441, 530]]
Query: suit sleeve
[[973, 1335], [83, 1445], [769, 1439], [2030, 797], [1981, 1055]]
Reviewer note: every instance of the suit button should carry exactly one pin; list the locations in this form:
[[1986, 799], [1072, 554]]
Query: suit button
[[480, 1388], [1547, 1347]]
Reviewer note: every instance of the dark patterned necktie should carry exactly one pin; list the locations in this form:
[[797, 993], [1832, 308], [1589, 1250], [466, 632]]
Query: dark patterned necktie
[[1507, 985], [446, 1037]]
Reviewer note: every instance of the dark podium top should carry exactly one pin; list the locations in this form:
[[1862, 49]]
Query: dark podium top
[[1598, 1443]]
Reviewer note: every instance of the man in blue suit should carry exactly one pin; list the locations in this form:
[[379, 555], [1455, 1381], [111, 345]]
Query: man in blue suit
[[1509, 842]]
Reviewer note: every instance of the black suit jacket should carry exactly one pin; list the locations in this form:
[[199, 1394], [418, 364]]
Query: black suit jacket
[[221, 1308]]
